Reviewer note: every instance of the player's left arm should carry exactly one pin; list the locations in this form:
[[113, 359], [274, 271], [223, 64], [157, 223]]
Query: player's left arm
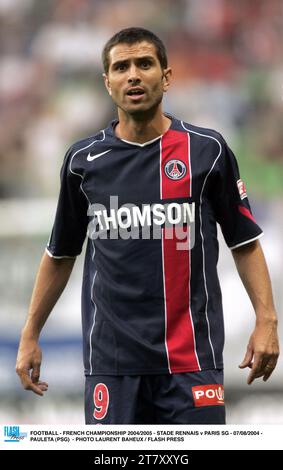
[[263, 347]]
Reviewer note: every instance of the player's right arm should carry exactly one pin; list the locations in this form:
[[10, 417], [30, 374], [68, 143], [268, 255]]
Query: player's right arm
[[51, 279]]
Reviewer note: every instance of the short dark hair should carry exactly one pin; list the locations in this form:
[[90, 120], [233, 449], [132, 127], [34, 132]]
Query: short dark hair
[[131, 36]]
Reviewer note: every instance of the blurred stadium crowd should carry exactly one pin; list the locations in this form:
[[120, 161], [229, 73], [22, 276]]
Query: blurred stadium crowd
[[227, 63], [227, 74]]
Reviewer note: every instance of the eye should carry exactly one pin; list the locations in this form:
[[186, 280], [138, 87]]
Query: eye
[[120, 67], [145, 64]]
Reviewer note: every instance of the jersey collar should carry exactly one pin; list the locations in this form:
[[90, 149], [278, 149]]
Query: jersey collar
[[114, 122]]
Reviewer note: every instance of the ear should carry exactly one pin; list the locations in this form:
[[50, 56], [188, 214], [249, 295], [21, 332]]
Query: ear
[[107, 83], [166, 77]]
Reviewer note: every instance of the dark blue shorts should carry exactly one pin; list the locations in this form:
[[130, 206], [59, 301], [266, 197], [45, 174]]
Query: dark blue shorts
[[187, 398]]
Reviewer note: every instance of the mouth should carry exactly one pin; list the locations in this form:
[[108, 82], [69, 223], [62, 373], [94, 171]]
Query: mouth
[[135, 94]]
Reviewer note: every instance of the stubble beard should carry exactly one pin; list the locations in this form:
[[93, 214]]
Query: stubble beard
[[142, 114]]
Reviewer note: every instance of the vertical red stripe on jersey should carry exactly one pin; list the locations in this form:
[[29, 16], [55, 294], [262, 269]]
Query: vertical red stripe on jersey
[[175, 146], [180, 341]]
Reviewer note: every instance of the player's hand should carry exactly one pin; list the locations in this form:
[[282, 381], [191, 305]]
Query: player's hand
[[262, 351], [28, 366]]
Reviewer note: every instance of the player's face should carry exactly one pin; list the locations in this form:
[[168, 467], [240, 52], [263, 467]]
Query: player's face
[[135, 80]]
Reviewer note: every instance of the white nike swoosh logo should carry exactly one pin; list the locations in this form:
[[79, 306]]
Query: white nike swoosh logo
[[93, 157]]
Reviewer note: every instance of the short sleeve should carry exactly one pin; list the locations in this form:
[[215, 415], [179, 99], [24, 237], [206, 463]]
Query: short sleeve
[[230, 202], [71, 220]]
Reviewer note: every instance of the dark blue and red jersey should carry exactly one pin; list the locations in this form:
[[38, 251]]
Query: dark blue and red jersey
[[151, 302]]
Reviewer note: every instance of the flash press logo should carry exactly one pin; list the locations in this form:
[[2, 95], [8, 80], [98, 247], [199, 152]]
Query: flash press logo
[[13, 434]]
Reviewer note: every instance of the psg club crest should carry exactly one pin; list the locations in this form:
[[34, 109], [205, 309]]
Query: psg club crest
[[175, 169]]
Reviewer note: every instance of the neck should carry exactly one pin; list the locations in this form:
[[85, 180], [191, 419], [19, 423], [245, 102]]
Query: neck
[[143, 128]]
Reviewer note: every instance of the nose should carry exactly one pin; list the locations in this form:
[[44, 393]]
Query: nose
[[133, 76]]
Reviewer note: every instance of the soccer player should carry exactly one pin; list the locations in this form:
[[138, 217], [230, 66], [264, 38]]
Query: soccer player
[[147, 192]]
